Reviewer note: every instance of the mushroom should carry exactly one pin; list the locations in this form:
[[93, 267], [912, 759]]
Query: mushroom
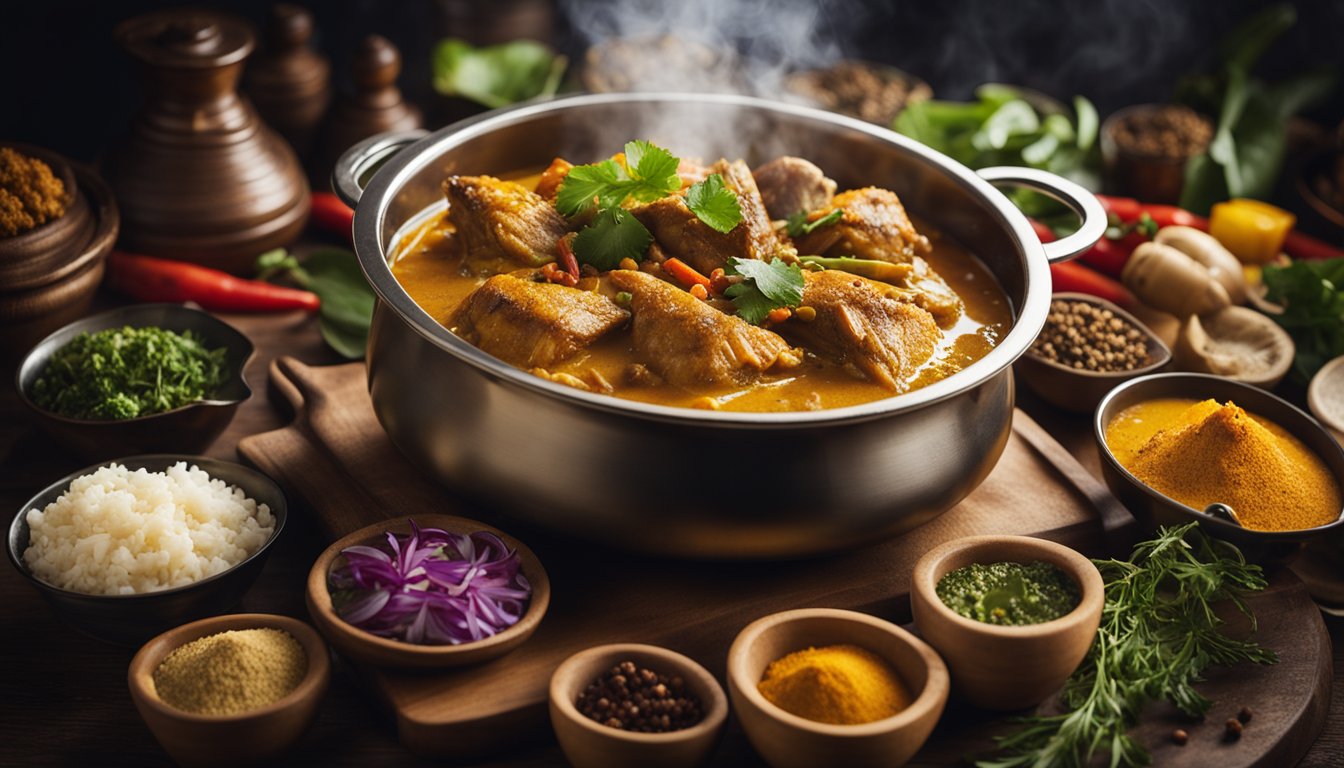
[[1235, 342], [1205, 249], [1166, 279]]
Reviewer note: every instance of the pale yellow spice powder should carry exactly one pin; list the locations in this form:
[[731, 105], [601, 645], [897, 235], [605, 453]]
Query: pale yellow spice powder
[[231, 672]]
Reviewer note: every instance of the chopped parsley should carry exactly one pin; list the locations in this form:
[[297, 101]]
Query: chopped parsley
[[122, 373], [714, 204], [798, 225], [768, 285]]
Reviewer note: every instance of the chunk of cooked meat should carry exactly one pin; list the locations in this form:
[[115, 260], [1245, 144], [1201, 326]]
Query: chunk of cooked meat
[[681, 234], [874, 226], [530, 324], [932, 293], [502, 221], [693, 345], [862, 325], [551, 178], [791, 184]]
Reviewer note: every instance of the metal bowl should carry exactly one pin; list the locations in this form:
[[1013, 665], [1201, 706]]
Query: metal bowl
[[1153, 509], [677, 480], [189, 429], [133, 619]]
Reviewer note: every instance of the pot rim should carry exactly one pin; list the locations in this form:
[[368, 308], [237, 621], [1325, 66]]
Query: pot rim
[[387, 182]]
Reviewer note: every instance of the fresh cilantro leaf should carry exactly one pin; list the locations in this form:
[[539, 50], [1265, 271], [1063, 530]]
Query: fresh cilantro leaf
[[585, 184], [496, 75], [768, 285], [650, 172], [613, 235], [655, 167], [798, 225], [714, 204]]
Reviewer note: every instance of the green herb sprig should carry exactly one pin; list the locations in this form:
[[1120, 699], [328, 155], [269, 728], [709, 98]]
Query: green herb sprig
[[797, 224], [1158, 634], [334, 275], [124, 373], [649, 173], [1312, 295], [768, 285], [496, 75]]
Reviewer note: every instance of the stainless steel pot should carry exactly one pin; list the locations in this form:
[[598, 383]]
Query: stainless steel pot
[[682, 481]]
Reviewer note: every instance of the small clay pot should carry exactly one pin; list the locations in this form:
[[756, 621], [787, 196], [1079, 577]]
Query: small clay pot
[[46, 253]]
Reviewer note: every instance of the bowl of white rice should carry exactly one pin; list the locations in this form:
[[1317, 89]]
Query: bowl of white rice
[[126, 549]]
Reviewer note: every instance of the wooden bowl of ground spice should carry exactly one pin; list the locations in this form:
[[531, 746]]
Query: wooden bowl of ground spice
[[58, 222], [1146, 147], [230, 690], [1088, 347], [1173, 445], [821, 686]]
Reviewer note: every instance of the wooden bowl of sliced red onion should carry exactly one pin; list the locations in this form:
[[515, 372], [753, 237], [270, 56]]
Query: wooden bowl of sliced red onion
[[427, 591]]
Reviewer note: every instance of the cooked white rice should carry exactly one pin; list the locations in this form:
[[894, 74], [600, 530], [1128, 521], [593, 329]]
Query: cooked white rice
[[118, 532]]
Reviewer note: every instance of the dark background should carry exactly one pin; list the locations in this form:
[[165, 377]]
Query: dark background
[[68, 87]]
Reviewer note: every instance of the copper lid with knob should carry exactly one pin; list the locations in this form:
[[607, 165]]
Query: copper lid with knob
[[200, 177]]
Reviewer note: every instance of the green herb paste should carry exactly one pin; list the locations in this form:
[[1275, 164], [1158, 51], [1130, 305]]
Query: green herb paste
[[1009, 593], [122, 373]]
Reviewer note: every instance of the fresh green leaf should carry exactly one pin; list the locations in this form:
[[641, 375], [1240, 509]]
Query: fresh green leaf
[[714, 204], [613, 235], [1312, 295], [650, 172], [1244, 46], [347, 299], [798, 225], [768, 285], [497, 75], [1012, 119], [1088, 123]]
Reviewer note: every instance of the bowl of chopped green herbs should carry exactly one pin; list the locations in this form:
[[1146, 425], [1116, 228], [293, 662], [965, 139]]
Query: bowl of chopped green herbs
[[138, 379]]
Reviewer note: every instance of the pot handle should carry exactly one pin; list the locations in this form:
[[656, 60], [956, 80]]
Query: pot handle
[[1078, 199], [358, 163]]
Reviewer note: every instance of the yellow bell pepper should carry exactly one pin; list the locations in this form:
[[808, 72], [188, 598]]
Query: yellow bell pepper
[[1253, 231]]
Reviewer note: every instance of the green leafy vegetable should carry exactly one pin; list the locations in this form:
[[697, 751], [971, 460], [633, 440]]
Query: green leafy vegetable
[[613, 235], [123, 373], [768, 285], [1312, 295], [347, 300], [1250, 143], [1004, 127], [798, 225], [1158, 633], [650, 172], [714, 204], [496, 75]]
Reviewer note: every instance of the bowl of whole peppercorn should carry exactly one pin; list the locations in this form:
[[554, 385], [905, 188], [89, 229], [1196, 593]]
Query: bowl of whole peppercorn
[[630, 704], [1088, 347]]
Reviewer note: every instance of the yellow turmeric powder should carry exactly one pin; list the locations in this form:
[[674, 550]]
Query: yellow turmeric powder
[[1202, 453], [837, 684], [30, 194]]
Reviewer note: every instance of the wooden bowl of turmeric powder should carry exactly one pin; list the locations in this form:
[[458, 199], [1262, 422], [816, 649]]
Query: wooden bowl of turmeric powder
[[1173, 444], [820, 686], [230, 690]]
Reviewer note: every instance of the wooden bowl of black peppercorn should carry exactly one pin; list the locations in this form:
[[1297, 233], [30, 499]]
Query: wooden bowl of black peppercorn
[[629, 704], [1067, 366]]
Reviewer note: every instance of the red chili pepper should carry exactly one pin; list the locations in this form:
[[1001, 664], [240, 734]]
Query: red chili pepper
[[1128, 210], [1079, 279], [331, 214], [149, 279], [1044, 233], [1109, 256], [567, 259], [1306, 247]]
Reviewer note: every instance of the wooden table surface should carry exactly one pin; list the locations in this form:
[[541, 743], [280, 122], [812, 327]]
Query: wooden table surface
[[68, 699]]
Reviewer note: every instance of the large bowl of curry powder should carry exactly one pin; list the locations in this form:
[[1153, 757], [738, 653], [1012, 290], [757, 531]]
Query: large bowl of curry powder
[[1275, 466], [58, 221]]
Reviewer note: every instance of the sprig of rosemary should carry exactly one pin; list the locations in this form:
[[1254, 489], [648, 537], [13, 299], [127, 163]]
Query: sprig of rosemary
[[1158, 634]]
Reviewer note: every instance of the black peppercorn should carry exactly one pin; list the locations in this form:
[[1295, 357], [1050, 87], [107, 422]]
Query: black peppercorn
[[1232, 729], [1179, 737], [641, 700], [1245, 715]]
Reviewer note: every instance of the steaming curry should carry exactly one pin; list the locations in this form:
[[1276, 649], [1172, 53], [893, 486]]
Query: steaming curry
[[715, 287]]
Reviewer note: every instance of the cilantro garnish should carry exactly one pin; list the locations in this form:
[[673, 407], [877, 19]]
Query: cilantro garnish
[[768, 285], [714, 204], [613, 235], [798, 225], [650, 172]]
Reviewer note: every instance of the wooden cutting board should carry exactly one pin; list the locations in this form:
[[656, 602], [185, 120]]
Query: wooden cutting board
[[335, 456]]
